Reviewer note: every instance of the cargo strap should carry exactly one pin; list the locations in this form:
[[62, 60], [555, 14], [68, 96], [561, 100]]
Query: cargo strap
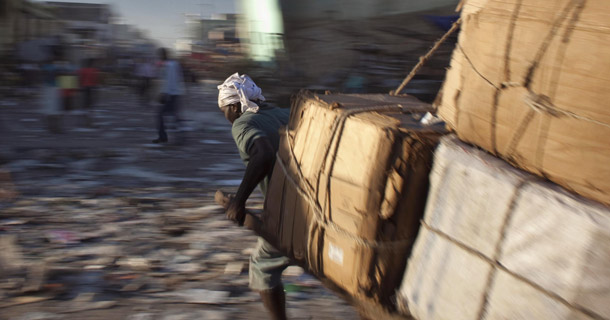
[[423, 59], [494, 261]]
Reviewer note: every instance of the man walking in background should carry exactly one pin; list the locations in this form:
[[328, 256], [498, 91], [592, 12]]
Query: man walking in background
[[145, 73], [88, 76], [172, 87], [50, 98]]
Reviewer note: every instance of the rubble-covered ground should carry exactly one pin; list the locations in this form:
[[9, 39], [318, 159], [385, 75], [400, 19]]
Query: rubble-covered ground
[[97, 222]]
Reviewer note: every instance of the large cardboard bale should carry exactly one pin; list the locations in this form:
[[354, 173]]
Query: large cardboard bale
[[349, 188], [359, 171], [528, 82], [540, 241]]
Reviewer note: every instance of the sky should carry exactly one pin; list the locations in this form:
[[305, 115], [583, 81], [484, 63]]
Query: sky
[[163, 20]]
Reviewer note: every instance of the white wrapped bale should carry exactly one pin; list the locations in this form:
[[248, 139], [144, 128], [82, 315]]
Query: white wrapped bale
[[561, 243], [470, 195], [443, 281], [547, 252], [511, 298]]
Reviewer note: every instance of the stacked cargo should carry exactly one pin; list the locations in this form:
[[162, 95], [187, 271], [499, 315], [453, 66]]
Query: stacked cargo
[[349, 188], [528, 83]]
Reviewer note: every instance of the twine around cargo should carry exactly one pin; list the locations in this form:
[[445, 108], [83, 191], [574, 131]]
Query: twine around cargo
[[423, 59]]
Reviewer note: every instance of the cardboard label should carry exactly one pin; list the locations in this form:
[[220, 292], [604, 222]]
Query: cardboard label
[[335, 253]]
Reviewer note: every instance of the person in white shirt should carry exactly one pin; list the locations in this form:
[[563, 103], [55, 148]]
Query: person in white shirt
[[145, 72], [172, 88]]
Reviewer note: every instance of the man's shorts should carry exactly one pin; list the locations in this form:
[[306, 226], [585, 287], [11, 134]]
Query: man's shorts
[[266, 266]]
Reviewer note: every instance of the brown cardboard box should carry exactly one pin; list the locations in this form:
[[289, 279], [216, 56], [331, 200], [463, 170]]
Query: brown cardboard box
[[359, 179], [365, 270], [529, 82], [345, 198]]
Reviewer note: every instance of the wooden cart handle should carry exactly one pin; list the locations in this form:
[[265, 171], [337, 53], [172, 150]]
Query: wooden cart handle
[[252, 221]]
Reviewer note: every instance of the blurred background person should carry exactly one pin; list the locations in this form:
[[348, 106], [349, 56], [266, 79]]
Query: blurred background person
[[172, 87], [145, 73], [28, 71], [68, 84], [89, 80], [50, 97]]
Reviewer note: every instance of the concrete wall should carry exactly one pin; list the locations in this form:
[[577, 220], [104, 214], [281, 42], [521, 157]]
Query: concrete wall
[[22, 20], [262, 26], [356, 9]]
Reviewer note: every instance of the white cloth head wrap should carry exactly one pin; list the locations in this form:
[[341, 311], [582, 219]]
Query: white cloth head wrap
[[240, 89]]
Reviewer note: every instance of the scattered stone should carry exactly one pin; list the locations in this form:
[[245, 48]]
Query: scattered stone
[[94, 267], [62, 237], [135, 263], [102, 251], [15, 301], [181, 259], [293, 271], [105, 231], [85, 306], [187, 268], [11, 259], [198, 296], [11, 283], [7, 187], [223, 257], [194, 252], [84, 297], [198, 245], [214, 315], [141, 316], [39, 316], [247, 251], [234, 268], [35, 277], [13, 222], [134, 286]]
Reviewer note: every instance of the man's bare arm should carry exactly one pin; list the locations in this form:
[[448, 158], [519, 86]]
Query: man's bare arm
[[261, 155]]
